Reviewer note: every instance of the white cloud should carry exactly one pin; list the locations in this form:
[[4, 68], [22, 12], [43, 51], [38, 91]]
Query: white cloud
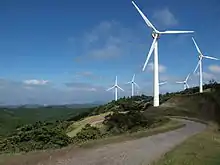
[[83, 89], [207, 76], [13, 93], [165, 17], [161, 68], [36, 82], [108, 51], [109, 39], [82, 86], [214, 68], [86, 73]]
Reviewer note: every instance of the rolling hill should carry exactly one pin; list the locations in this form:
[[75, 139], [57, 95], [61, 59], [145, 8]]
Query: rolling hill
[[198, 105], [11, 118]]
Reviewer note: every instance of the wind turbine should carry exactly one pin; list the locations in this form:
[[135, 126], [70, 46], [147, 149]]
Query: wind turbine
[[154, 47], [201, 56], [116, 88], [186, 85], [162, 83], [132, 85]]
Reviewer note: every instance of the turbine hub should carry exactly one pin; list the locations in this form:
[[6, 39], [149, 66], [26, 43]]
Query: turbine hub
[[155, 35], [200, 56]]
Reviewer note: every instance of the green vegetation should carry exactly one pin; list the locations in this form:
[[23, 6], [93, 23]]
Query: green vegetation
[[118, 123], [201, 149], [12, 118], [45, 135], [26, 129], [132, 121], [34, 157], [203, 106], [38, 136], [74, 128], [88, 133], [135, 103]]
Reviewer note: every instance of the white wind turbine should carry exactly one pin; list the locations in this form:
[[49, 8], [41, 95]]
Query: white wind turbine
[[133, 85], [186, 85], [155, 34], [201, 56], [116, 88]]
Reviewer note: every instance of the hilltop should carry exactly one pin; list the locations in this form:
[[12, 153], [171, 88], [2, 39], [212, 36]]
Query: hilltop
[[191, 103]]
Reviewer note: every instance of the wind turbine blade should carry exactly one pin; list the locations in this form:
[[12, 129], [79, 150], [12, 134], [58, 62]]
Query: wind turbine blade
[[144, 17], [199, 51], [213, 58], [129, 82], [133, 78], [162, 83], [175, 32], [120, 88], [136, 84], [179, 82], [150, 52], [110, 88], [187, 85], [116, 80], [187, 77], [196, 67]]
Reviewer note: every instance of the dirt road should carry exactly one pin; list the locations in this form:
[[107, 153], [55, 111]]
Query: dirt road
[[135, 152]]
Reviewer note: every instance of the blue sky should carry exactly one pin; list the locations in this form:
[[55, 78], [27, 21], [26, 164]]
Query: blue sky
[[70, 51]]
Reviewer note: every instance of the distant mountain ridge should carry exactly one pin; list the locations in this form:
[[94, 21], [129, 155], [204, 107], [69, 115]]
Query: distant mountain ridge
[[74, 105]]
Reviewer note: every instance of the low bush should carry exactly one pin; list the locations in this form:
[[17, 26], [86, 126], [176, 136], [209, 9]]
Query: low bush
[[88, 133], [37, 136], [117, 123]]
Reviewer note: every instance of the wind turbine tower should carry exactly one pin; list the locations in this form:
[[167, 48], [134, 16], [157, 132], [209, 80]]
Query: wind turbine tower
[[116, 88], [133, 83], [154, 47], [201, 56]]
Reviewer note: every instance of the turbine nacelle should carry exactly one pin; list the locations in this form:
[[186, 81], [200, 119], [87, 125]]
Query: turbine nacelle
[[200, 56], [155, 35]]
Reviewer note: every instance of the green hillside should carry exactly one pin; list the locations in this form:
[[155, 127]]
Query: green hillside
[[187, 103], [10, 119]]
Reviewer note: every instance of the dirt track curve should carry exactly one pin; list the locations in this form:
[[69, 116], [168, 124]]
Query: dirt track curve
[[136, 152]]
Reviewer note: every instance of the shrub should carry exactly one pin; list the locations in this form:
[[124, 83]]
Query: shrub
[[40, 135], [88, 133], [132, 121]]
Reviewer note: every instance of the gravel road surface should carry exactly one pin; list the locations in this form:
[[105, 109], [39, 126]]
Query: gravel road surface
[[135, 152]]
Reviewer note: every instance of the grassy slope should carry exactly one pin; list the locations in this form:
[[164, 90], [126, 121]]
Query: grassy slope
[[198, 105], [201, 149], [77, 126]]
